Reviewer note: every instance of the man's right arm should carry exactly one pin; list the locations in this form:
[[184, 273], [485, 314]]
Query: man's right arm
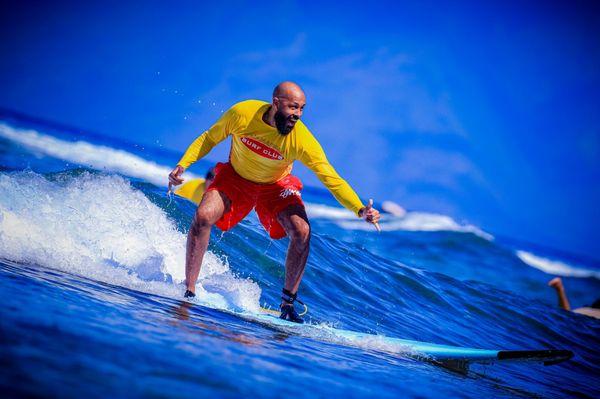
[[210, 138], [203, 144]]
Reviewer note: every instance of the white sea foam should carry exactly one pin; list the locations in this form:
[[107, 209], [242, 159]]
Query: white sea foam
[[91, 155], [411, 221], [555, 267], [100, 227]]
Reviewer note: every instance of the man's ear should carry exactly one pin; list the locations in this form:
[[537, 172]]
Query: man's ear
[[276, 103]]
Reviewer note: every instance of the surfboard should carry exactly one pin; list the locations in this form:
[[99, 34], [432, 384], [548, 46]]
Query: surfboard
[[450, 356]]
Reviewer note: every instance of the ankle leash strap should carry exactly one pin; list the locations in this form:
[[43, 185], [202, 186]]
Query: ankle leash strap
[[290, 298]]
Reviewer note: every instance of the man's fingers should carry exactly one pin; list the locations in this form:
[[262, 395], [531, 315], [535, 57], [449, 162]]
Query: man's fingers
[[371, 215], [175, 176], [373, 218], [175, 180], [376, 217]]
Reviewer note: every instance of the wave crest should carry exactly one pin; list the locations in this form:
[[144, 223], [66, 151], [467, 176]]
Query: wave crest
[[555, 267], [92, 155], [98, 226]]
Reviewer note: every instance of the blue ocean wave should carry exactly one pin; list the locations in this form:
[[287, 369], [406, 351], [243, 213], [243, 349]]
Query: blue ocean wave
[[92, 270]]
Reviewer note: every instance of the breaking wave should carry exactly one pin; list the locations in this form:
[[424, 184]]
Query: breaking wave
[[100, 227]]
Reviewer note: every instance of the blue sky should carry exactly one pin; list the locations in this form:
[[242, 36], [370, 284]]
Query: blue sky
[[487, 112]]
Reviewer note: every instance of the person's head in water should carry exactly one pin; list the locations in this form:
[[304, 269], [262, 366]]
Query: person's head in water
[[288, 102]]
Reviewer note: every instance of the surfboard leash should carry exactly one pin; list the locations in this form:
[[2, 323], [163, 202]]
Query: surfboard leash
[[290, 298]]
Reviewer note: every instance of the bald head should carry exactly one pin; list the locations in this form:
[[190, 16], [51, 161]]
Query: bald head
[[290, 91], [288, 104]]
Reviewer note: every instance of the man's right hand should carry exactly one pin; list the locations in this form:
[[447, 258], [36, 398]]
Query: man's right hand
[[175, 176]]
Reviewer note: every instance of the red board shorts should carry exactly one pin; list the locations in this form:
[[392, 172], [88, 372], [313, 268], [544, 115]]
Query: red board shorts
[[267, 199]]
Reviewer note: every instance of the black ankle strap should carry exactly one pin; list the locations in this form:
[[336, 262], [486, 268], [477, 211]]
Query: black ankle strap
[[288, 297]]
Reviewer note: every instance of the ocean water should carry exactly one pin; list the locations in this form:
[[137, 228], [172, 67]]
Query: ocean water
[[92, 262]]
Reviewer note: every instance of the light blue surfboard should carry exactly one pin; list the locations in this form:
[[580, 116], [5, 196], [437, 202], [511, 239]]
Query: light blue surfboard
[[451, 356]]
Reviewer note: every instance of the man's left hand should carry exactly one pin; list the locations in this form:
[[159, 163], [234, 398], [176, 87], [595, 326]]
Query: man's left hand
[[370, 214]]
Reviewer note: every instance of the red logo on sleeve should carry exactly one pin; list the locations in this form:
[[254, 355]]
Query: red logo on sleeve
[[261, 149]]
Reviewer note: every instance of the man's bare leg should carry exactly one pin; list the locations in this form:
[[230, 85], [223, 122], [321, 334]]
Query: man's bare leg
[[296, 225], [209, 211]]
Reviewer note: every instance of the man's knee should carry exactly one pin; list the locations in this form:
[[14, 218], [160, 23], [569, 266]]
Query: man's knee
[[295, 222], [210, 210], [203, 219], [300, 231]]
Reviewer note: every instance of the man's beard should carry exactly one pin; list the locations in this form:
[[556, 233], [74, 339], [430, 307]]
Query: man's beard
[[281, 123]]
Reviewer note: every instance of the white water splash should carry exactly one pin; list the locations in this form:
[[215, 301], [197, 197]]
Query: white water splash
[[102, 228]]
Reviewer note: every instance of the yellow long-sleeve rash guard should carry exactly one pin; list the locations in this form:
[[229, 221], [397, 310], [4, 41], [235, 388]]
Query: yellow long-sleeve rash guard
[[261, 154]]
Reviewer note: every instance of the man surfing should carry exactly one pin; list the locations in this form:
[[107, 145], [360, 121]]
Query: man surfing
[[266, 140]]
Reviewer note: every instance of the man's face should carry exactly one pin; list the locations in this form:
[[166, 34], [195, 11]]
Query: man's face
[[289, 111]]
